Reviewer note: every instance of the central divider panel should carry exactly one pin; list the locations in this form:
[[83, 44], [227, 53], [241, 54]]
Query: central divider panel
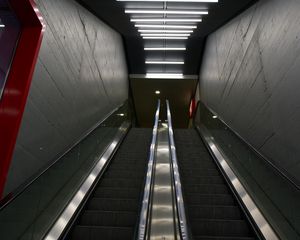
[[163, 222]]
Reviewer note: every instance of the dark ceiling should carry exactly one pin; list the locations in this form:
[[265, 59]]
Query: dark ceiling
[[112, 12]]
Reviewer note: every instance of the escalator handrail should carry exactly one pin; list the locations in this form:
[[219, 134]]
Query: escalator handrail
[[144, 214], [280, 171], [177, 182]]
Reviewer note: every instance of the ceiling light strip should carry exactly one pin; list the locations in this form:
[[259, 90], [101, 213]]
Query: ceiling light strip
[[170, 38], [2, 25], [200, 1], [166, 12], [165, 34], [165, 26], [165, 75], [164, 49], [165, 62], [164, 31], [166, 20]]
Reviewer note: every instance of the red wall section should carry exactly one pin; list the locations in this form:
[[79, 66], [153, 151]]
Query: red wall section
[[18, 83]]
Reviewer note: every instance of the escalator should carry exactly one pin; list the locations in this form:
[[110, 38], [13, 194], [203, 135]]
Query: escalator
[[112, 210], [154, 184], [212, 211]]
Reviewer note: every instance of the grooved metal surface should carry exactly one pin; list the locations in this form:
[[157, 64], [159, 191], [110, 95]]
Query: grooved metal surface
[[81, 75], [162, 223], [250, 78], [212, 211]]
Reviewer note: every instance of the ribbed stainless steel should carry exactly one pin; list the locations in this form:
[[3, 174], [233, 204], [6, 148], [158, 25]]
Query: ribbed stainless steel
[[178, 191], [149, 178]]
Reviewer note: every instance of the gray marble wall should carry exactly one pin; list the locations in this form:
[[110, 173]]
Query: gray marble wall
[[250, 77], [81, 76]]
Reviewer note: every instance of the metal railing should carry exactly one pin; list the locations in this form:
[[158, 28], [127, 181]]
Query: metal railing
[[177, 182], [145, 210]]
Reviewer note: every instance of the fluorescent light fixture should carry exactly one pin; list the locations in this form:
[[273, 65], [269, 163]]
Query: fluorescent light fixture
[[164, 75], [174, 38], [165, 62], [157, 92], [166, 26], [201, 1], [165, 35], [214, 117], [166, 20], [166, 12], [165, 31], [2, 25], [164, 49]]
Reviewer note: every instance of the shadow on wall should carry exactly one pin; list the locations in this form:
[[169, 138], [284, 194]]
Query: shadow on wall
[[250, 77]]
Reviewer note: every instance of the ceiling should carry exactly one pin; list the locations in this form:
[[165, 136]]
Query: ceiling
[[145, 99], [112, 12]]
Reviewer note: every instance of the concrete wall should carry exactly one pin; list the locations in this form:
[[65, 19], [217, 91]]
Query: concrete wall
[[81, 76], [250, 77]]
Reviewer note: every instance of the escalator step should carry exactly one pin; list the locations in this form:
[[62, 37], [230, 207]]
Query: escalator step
[[205, 180], [215, 212], [210, 199], [199, 172], [125, 174], [212, 211], [96, 233], [222, 238], [128, 193], [121, 182], [204, 164], [106, 218], [206, 188], [221, 228], [107, 204]]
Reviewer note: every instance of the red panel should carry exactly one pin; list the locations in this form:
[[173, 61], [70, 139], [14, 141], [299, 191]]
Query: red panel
[[192, 108], [19, 79]]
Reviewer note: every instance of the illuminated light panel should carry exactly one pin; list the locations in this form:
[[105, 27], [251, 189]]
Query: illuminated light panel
[[157, 92], [164, 49], [165, 62], [201, 1], [174, 38], [165, 31], [166, 12], [166, 26], [2, 25], [166, 20], [165, 75], [165, 35]]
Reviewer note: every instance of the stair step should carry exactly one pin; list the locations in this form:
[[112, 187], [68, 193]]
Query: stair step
[[121, 182], [204, 180], [222, 238], [210, 199], [125, 173], [108, 218], [127, 193], [206, 188], [215, 212], [96, 233], [220, 228], [108, 204], [199, 172]]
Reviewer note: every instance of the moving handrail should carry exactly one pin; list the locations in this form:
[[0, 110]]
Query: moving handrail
[[178, 191], [142, 229]]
